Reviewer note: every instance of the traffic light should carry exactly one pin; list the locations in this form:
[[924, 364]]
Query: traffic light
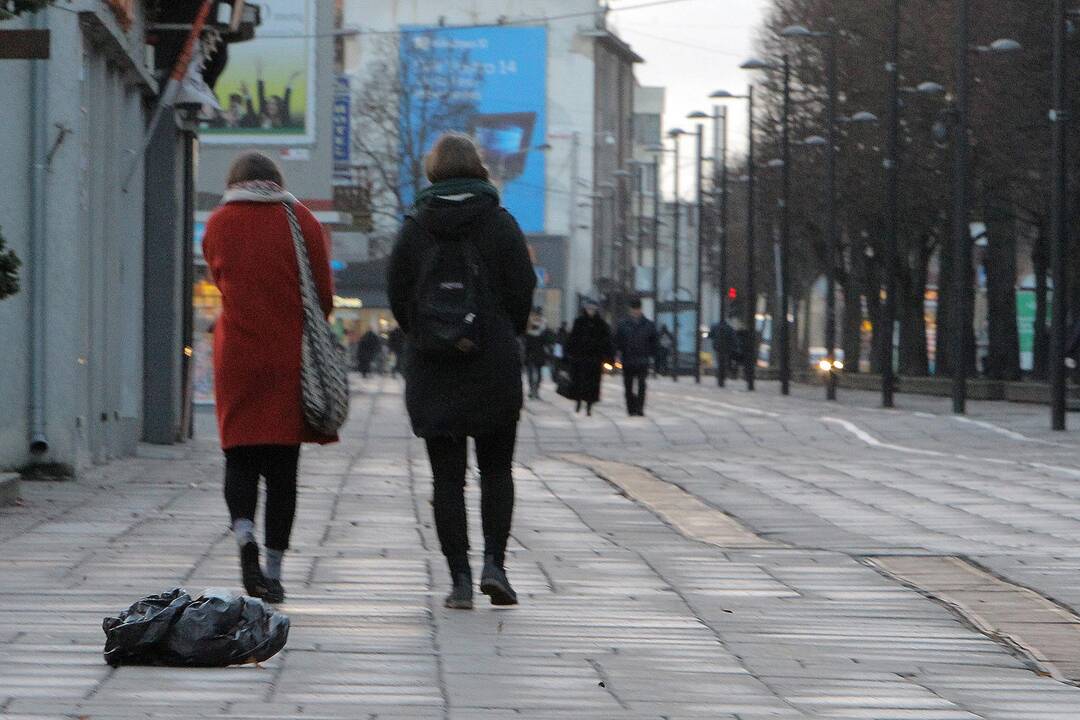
[[732, 293]]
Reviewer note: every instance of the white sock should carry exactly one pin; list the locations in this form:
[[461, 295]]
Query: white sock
[[244, 531], [274, 558]]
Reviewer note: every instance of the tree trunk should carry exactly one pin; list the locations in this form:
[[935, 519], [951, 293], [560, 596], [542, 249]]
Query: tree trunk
[[1003, 359], [1041, 340]]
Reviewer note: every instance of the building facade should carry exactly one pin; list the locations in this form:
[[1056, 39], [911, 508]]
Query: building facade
[[545, 89], [71, 387]]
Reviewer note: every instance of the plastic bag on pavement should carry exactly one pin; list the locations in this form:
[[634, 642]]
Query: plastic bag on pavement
[[215, 629]]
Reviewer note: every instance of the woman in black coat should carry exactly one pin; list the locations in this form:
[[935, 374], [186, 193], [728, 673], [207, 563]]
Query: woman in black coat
[[478, 394], [588, 348]]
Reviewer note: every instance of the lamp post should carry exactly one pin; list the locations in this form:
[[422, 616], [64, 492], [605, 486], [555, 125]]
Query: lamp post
[[699, 134], [1059, 116], [720, 125], [750, 312], [675, 134], [785, 215], [963, 292]]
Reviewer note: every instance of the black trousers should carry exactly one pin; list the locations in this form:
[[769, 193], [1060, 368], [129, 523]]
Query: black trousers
[[276, 463], [635, 399], [449, 462]]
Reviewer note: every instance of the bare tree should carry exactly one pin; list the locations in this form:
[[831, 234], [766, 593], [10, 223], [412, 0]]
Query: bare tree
[[417, 87]]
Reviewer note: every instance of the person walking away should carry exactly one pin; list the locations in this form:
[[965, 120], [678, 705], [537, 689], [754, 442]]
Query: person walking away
[[395, 341], [251, 254], [663, 351], [461, 287], [588, 348], [366, 351], [724, 342], [538, 341], [637, 340]]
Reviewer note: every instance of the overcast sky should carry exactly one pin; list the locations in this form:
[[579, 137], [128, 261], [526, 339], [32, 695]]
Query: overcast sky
[[693, 48]]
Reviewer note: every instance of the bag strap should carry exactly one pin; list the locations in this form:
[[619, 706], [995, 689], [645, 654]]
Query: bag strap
[[308, 294]]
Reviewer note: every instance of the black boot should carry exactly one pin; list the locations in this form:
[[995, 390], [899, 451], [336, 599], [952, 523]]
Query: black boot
[[250, 571], [461, 595], [275, 591], [494, 584]]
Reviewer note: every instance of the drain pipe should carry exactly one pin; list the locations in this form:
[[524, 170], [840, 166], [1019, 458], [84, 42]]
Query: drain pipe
[[39, 93]]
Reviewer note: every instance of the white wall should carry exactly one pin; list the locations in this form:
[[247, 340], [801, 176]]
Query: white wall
[[93, 246]]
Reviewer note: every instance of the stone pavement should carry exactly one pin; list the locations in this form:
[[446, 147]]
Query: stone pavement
[[623, 616]]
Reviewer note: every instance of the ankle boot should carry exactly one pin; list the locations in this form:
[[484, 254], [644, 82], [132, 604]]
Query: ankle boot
[[494, 583], [250, 572], [461, 595]]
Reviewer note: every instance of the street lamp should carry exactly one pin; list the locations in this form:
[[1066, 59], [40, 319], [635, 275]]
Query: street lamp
[[720, 180], [1059, 116], [750, 352], [962, 285], [830, 143], [675, 134], [785, 215]]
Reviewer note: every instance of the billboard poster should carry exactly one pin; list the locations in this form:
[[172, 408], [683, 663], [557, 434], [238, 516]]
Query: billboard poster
[[267, 89], [489, 82]]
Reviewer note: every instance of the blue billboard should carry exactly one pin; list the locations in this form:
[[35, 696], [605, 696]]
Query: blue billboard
[[491, 83]]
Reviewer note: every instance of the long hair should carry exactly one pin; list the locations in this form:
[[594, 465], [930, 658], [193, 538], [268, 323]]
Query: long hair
[[454, 155], [253, 165]]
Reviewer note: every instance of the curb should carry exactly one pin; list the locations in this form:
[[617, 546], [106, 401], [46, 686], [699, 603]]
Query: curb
[[9, 489]]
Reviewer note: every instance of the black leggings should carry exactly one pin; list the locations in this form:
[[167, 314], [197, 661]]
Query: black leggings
[[277, 463], [449, 461]]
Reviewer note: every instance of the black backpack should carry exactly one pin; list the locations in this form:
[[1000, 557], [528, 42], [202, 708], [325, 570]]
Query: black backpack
[[451, 289]]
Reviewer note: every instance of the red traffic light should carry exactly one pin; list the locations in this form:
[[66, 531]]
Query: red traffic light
[[732, 293]]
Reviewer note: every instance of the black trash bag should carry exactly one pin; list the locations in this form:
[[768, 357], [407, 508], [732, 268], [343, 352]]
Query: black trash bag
[[215, 629]]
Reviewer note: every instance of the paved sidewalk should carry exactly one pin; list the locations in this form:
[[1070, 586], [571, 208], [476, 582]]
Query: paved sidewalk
[[622, 615]]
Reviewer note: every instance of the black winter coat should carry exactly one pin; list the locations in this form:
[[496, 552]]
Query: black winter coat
[[480, 394], [588, 348]]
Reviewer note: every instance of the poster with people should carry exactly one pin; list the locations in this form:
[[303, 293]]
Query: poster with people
[[489, 82], [267, 90]]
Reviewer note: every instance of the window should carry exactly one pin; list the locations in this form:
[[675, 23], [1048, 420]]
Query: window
[[647, 129]]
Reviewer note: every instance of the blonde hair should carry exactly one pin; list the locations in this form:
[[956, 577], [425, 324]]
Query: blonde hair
[[254, 165], [454, 155]]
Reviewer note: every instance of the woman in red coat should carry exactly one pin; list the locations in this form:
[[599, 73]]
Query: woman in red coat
[[249, 248]]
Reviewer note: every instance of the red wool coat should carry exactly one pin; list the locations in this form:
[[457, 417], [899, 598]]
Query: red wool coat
[[250, 252]]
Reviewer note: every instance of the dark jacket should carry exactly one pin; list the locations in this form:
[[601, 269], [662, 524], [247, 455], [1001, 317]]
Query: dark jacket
[[538, 342], [476, 395], [637, 342], [588, 348]]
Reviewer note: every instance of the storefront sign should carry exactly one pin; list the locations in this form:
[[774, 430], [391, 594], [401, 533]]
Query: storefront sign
[[24, 44], [342, 103]]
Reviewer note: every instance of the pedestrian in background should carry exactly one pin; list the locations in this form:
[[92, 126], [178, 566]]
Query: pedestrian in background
[[538, 343], [395, 341], [367, 350], [663, 351], [461, 287], [637, 341], [588, 348], [251, 254], [725, 343]]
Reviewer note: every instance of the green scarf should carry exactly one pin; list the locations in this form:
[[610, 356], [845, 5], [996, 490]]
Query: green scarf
[[456, 186]]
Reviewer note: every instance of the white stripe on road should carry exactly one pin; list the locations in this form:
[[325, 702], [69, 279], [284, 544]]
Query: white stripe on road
[[1005, 431], [874, 442]]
